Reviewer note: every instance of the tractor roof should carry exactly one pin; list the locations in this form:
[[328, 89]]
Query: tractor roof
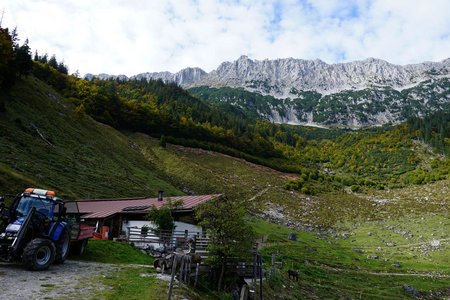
[[41, 193]]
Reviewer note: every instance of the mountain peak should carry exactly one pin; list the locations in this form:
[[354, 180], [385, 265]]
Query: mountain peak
[[243, 58]]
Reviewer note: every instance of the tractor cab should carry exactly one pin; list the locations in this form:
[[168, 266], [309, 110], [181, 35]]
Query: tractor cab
[[45, 203]]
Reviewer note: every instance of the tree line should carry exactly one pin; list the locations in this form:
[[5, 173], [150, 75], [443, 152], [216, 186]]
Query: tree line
[[433, 129]]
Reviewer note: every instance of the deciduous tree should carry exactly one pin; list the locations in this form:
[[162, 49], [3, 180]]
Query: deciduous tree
[[230, 236]]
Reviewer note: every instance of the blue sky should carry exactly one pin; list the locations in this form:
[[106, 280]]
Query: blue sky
[[134, 36]]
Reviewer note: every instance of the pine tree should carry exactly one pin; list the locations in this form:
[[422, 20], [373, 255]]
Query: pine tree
[[23, 63], [53, 62], [43, 59], [62, 68], [7, 57]]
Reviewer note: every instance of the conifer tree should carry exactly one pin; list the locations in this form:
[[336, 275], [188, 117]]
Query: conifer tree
[[53, 62], [62, 68], [23, 62], [43, 59], [7, 57]]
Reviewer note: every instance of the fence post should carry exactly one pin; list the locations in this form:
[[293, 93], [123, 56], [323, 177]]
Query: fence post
[[174, 267], [180, 278], [188, 270], [255, 254], [194, 244], [196, 274]]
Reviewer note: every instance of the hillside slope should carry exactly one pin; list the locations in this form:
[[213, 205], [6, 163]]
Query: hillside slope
[[45, 143]]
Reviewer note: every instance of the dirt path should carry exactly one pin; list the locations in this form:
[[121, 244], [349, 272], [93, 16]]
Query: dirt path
[[259, 194], [71, 280]]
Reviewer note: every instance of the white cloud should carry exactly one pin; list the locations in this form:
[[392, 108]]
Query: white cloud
[[132, 36]]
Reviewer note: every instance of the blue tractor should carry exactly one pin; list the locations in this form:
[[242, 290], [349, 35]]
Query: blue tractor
[[34, 230]]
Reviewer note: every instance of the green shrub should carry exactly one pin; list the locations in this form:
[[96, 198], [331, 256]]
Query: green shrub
[[355, 188]]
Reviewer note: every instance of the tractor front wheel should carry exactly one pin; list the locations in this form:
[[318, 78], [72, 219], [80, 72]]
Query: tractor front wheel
[[39, 254]]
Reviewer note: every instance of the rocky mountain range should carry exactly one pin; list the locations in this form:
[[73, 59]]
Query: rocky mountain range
[[312, 92]]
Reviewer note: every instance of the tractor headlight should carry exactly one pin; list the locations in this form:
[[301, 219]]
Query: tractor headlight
[[12, 229]]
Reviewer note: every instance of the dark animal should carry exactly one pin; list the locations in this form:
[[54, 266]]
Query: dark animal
[[163, 264], [159, 263], [293, 274]]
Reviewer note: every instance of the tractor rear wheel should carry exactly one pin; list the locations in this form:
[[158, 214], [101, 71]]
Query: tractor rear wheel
[[62, 247], [39, 254]]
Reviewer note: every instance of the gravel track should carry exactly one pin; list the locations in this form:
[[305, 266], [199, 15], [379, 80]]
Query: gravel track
[[71, 280]]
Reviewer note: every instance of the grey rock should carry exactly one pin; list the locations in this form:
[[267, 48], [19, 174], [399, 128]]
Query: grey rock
[[412, 291], [357, 250]]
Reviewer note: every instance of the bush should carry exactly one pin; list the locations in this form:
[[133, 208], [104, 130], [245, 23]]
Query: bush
[[355, 188], [162, 141], [306, 190], [347, 181]]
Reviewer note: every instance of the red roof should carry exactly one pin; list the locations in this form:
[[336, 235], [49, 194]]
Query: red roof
[[102, 208]]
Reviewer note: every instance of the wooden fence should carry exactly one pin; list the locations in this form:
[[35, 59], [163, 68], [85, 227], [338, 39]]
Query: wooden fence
[[197, 243], [187, 241]]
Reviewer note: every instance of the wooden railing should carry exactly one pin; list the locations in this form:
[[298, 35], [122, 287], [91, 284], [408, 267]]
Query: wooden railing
[[193, 241], [136, 234]]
